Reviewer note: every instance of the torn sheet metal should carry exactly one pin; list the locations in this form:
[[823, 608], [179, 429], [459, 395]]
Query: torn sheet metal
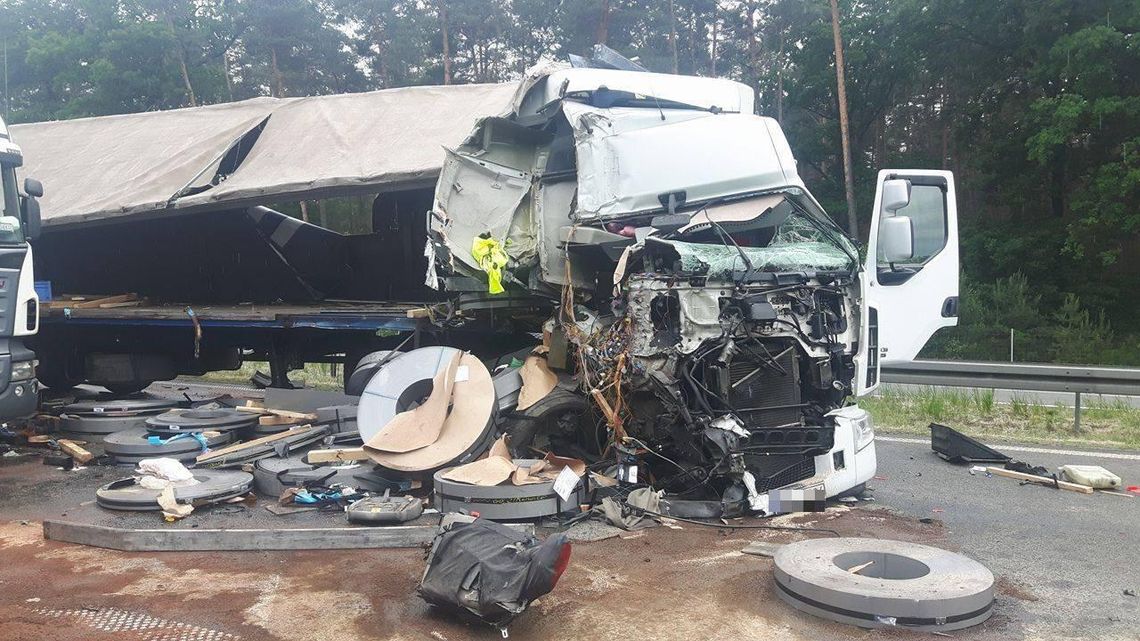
[[628, 157], [706, 93], [476, 197], [554, 205], [736, 211]]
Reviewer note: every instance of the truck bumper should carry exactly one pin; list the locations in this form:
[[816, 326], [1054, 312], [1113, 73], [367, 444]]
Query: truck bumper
[[18, 399], [851, 462]]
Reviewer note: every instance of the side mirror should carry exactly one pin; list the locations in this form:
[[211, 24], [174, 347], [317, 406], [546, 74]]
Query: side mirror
[[32, 222], [896, 238], [33, 188], [896, 195]]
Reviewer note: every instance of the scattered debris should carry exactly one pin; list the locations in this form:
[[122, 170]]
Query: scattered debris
[[537, 379], [384, 510], [491, 571], [75, 451], [213, 486], [1115, 493], [762, 548], [1041, 480], [1129, 592], [955, 447], [1093, 476], [630, 514]]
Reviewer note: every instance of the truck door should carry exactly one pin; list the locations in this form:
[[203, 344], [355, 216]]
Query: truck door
[[912, 262]]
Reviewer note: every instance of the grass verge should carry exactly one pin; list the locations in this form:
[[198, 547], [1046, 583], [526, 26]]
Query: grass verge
[[314, 375], [975, 413]]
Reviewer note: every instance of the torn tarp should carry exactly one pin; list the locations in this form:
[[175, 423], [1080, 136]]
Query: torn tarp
[[313, 147]]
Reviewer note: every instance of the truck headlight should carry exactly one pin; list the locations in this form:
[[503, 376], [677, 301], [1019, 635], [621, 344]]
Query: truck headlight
[[23, 370], [864, 432]]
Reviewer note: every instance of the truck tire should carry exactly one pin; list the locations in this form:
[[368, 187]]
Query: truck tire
[[59, 372], [357, 378], [563, 414]]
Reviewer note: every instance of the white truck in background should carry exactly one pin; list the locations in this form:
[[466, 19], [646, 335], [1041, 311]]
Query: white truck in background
[[659, 233], [19, 304]]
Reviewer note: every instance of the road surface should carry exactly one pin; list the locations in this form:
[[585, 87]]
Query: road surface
[[1062, 562]]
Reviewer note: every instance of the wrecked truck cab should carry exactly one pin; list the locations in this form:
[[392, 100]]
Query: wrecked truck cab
[[713, 313]]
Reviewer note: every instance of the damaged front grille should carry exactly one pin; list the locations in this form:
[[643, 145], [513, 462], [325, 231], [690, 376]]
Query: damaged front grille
[[766, 393], [777, 470]]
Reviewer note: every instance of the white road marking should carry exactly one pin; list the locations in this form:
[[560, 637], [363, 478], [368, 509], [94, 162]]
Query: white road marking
[[1021, 448]]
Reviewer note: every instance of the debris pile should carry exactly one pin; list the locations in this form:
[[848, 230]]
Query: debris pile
[[955, 447]]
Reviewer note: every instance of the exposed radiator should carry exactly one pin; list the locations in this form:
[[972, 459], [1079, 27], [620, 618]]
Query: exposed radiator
[[762, 395]]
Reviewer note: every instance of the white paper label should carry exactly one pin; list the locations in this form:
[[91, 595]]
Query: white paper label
[[462, 373], [627, 473], [565, 483]]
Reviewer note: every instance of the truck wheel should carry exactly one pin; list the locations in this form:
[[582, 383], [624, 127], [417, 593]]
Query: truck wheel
[[356, 379], [562, 422], [127, 388], [58, 374]]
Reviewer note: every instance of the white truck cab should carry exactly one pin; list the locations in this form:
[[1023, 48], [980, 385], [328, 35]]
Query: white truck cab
[[19, 304], [658, 231]]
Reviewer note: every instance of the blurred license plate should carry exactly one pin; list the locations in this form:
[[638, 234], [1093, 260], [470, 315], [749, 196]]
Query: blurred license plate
[[787, 500]]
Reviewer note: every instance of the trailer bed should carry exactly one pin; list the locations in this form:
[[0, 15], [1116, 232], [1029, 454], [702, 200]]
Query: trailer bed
[[324, 315]]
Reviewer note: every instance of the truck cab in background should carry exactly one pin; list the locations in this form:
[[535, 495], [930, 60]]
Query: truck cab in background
[[19, 304]]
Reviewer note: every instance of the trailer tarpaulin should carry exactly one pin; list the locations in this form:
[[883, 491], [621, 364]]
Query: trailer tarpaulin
[[393, 138], [99, 168], [133, 165]]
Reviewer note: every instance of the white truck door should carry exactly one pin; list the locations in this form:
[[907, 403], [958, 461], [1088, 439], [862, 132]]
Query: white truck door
[[912, 260]]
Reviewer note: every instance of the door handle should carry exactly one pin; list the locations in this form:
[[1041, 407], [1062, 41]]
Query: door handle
[[950, 307]]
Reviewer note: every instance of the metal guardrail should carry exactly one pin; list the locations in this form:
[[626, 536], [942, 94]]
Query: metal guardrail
[[1030, 377]]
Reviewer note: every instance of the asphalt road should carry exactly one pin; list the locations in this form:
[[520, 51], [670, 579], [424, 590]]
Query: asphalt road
[[1062, 561], [1072, 554]]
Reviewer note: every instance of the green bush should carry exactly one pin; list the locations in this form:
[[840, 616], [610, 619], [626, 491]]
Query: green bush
[[1043, 332]]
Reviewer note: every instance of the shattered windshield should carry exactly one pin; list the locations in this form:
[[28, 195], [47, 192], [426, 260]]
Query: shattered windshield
[[799, 243]]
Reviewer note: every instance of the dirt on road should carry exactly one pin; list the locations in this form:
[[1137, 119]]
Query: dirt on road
[[689, 583]]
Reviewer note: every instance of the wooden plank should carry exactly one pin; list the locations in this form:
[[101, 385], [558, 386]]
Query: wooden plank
[[106, 300], [237, 447], [421, 312], [1115, 493], [75, 451], [129, 303], [214, 540], [270, 420], [332, 456], [1043, 480], [297, 416]]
